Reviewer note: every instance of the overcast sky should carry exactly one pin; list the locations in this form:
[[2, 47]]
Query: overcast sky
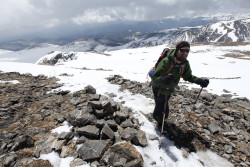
[[27, 16]]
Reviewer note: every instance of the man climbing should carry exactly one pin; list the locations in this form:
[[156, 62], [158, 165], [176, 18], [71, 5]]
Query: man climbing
[[167, 75]]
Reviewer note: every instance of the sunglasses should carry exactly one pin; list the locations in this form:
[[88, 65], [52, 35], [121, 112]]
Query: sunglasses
[[184, 50]]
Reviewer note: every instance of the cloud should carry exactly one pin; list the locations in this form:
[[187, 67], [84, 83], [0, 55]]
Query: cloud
[[168, 2], [52, 23], [103, 15], [11, 11], [20, 17], [95, 16], [243, 3]]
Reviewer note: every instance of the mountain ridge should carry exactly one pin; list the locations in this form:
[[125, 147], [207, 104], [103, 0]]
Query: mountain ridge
[[120, 33], [223, 31]]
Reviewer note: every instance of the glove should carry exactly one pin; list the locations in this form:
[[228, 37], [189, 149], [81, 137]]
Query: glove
[[202, 82], [167, 79]]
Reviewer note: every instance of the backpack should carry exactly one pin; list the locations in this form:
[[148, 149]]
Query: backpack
[[163, 55]]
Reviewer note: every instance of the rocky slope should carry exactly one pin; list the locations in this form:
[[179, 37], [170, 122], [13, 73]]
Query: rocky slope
[[219, 123], [31, 108]]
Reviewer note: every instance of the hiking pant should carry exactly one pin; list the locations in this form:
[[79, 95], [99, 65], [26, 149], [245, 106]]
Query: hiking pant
[[159, 107]]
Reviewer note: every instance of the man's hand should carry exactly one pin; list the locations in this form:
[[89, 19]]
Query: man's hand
[[167, 79], [202, 82]]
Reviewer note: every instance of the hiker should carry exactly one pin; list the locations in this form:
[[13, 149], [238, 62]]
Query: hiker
[[167, 75]]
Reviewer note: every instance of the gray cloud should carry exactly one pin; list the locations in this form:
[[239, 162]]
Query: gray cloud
[[18, 17]]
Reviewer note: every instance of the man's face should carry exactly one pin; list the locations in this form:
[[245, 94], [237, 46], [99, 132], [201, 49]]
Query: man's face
[[182, 54]]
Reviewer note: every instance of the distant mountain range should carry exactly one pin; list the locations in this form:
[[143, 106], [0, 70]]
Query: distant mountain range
[[216, 28], [223, 31]]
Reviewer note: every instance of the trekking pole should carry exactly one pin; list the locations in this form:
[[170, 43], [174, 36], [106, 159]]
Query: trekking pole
[[197, 97], [163, 119]]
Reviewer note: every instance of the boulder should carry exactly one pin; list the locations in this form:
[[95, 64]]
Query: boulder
[[100, 123], [213, 128], [134, 163], [22, 142], [90, 89], [227, 118], [122, 152], [66, 136], [127, 123], [108, 132], [69, 150], [140, 139], [81, 140], [81, 118], [77, 162], [228, 149], [89, 130], [10, 160], [57, 145], [93, 149], [112, 124], [121, 115], [96, 105], [94, 97], [99, 113], [33, 163], [128, 133]]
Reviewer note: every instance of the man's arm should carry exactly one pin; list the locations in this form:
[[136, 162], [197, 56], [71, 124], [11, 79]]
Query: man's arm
[[187, 74]]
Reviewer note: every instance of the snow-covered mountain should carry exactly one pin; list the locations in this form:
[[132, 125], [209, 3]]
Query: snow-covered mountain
[[133, 40], [119, 33], [224, 31]]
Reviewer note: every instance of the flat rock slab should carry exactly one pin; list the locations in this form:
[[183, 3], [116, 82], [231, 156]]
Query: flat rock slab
[[122, 152], [93, 149], [89, 130]]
